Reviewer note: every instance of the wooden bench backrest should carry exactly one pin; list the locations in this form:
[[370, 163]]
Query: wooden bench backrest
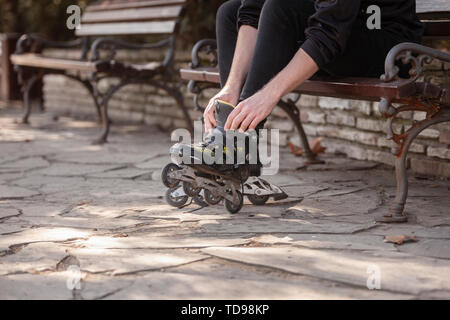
[[435, 14], [122, 17], [133, 17]]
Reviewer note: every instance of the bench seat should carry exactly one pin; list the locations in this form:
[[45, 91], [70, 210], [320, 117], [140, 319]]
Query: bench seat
[[355, 88], [40, 61]]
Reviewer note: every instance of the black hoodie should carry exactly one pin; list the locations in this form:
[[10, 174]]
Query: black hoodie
[[329, 28]]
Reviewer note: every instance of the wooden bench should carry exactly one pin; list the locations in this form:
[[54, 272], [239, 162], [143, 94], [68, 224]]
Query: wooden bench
[[103, 26], [410, 94]]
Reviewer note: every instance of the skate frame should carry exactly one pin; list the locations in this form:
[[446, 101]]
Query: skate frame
[[217, 188]]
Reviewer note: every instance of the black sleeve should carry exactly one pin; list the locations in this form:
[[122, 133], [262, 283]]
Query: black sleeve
[[329, 29], [249, 12]]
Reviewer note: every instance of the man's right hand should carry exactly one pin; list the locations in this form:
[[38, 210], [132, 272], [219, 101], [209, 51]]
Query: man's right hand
[[227, 95]]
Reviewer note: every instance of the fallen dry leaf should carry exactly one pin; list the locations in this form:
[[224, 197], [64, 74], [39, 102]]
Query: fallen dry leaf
[[400, 239], [121, 235], [315, 145], [82, 203]]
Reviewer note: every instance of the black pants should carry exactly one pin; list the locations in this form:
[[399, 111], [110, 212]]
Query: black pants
[[281, 32]]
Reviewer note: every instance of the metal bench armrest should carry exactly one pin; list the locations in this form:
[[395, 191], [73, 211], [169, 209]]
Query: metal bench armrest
[[34, 43], [112, 44], [413, 53], [209, 46]]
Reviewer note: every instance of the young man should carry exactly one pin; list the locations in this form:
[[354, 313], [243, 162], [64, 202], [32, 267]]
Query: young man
[[268, 47]]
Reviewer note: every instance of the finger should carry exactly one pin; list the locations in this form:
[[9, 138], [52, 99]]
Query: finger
[[211, 121], [254, 123], [210, 118], [212, 114], [238, 120], [207, 124], [247, 121]]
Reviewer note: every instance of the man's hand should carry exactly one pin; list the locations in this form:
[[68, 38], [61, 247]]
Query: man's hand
[[226, 94], [250, 112], [231, 91]]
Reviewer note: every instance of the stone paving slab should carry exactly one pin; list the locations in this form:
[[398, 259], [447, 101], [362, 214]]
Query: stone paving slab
[[11, 192], [329, 241], [282, 226], [99, 224], [125, 173], [128, 261], [157, 242], [35, 287], [97, 155], [8, 213], [67, 203], [34, 258], [25, 164], [7, 229], [223, 280], [414, 275], [73, 170], [45, 234]]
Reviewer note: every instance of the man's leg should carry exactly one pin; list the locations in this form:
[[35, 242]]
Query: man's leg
[[365, 52], [227, 32], [281, 31]]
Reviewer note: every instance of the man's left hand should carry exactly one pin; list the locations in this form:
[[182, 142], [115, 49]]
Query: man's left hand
[[252, 111]]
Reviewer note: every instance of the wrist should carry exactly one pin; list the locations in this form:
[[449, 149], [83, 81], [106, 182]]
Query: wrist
[[232, 89], [273, 93]]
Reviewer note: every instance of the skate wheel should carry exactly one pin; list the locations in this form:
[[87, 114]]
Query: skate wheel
[[189, 189], [169, 182], [176, 202], [258, 200], [231, 207], [200, 201], [210, 199]]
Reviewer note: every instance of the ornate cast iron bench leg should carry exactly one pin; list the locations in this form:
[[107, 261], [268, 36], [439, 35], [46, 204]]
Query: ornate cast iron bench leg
[[428, 99], [294, 114], [26, 89], [435, 115], [104, 98]]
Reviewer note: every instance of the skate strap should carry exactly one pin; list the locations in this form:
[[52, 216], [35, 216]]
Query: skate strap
[[227, 103]]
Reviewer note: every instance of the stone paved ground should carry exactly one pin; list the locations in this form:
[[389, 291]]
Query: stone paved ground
[[65, 202]]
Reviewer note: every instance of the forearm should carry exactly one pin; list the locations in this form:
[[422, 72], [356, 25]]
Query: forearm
[[250, 112], [245, 48], [301, 68]]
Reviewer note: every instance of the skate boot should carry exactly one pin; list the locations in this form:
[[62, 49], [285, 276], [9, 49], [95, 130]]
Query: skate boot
[[205, 169], [220, 151]]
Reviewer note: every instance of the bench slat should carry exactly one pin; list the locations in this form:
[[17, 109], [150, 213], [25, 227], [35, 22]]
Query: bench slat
[[36, 60], [437, 8], [356, 88], [127, 28], [119, 5], [437, 29], [143, 14]]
